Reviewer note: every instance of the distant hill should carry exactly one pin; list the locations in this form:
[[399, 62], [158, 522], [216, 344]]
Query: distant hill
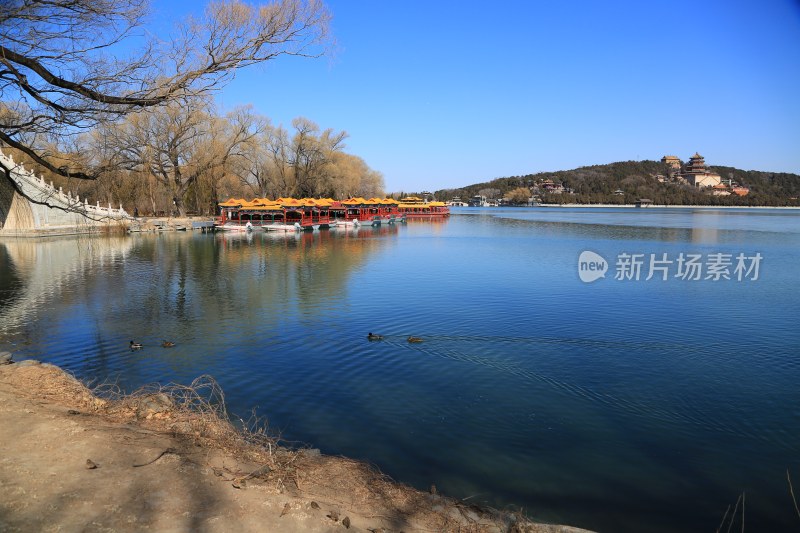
[[628, 181]]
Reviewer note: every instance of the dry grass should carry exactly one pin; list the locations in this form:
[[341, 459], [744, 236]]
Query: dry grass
[[197, 417], [196, 412]]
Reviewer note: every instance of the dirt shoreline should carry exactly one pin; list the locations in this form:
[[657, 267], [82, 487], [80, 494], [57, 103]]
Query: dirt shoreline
[[72, 461]]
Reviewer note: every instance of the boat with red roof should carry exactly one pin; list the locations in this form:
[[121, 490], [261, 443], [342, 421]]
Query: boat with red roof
[[306, 214]]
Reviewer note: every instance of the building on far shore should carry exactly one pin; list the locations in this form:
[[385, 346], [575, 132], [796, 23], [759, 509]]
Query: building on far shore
[[477, 201], [720, 190], [672, 161], [697, 174]]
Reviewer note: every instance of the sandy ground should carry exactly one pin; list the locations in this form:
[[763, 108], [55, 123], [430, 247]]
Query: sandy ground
[[70, 461]]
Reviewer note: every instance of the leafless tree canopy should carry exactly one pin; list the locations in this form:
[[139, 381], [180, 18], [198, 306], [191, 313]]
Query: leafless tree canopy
[[68, 65]]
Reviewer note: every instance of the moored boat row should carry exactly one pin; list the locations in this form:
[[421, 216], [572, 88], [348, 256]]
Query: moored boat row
[[414, 207], [291, 214]]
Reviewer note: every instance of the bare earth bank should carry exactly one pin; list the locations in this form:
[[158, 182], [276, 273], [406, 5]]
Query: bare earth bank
[[71, 461]]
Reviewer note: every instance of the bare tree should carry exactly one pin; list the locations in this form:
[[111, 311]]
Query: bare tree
[[348, 175], [311, 152], [61, 71], [179, 144], [278, 148], [490, 193], [231, 142], [261, 166]]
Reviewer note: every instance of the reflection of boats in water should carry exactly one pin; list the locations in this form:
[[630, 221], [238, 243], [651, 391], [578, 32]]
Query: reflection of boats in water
[[338, 232]]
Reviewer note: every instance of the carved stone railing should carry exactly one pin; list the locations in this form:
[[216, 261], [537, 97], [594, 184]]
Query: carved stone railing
[[42, 209]]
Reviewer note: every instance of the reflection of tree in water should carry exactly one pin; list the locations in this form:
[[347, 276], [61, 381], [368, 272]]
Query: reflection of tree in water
[[10, 283], [82, 299], [50, 284], [178, 284], [310, 269], [39, 275]]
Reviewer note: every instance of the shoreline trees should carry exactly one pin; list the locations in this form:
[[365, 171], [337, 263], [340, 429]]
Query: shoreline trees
[[88, 94], [183, 161]]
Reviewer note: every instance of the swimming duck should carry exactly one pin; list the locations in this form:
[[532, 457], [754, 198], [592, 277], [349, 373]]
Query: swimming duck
[[167, 344], [136, 345], [414, 339], [374, 337]]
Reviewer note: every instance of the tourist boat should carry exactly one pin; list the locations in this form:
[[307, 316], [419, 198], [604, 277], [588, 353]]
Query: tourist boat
[[414, 207], [307, 214], [283, 214], [373, 212]]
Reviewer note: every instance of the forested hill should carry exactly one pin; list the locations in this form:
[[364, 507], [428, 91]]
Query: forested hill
[[628, 181]]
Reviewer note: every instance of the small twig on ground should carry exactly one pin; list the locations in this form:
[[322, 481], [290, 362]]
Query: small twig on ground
[[162, 454], [258, 472]]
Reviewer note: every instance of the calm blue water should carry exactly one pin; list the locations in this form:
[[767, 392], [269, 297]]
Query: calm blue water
[[616, 405]]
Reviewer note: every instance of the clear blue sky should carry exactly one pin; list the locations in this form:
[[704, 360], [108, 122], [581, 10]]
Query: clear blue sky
[[441, 94]]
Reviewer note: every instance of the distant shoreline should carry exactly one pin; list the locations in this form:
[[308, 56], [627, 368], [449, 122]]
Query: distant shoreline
[[661, 206]]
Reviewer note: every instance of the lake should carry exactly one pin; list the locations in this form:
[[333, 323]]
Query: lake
[[585, 394]]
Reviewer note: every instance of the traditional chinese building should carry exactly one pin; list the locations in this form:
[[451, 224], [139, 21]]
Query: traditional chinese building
[[671, 161], [720, 190], [697, 174]]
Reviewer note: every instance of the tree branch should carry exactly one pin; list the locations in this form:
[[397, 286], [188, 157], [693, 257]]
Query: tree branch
[[63, 171]]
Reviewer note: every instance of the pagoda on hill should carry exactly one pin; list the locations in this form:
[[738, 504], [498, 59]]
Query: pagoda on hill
[[697, 174]]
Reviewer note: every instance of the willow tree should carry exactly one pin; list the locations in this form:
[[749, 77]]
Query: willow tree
[[311, 151], [348, 175], [518, 196], [68, 65], [277, 165], [179, 145], [263, 168]]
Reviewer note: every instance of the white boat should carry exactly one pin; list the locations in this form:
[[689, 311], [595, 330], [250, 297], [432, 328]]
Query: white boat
[[233, 226], [282, 227], [354, 223], [391, 219]]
